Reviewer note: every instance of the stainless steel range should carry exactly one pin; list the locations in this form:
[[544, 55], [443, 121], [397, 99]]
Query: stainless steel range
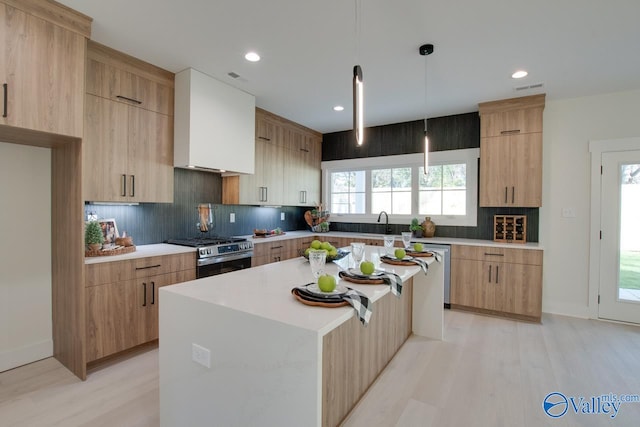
[[217, 255]]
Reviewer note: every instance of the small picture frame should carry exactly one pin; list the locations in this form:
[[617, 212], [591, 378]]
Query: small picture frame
[[109, 230]]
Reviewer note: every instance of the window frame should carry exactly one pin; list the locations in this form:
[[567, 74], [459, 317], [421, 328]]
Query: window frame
[[468, 156]]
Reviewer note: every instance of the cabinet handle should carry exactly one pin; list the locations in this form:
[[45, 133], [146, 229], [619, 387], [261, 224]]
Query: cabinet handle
[[303, 196], [144, 286], [489, 274], [513, 194], [5, 88], [305, 150], [153, 293], [124, 185], [277, 247], [264, 138], [133, 185], [135, 101], [150, 266], [505, 194], [492, 254], [510, 132], [497, 274], [263, 194]]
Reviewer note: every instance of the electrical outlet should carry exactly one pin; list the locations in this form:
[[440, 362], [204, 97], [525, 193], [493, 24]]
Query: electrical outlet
[[568, 213], [281, 216], [232, 217], [201, 355]]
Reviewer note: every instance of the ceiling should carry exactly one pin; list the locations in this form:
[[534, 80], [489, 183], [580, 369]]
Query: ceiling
[[308, 48]]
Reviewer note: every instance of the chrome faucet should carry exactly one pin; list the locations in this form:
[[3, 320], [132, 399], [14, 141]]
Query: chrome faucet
[[387, 229]]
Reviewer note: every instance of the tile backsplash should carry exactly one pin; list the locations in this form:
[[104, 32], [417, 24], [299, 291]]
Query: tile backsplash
[[151, 223]]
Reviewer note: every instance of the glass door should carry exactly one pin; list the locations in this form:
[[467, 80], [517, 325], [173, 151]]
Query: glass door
[[620, 242]]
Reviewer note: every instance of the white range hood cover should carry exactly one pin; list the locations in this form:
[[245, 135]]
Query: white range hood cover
[[214, 124]]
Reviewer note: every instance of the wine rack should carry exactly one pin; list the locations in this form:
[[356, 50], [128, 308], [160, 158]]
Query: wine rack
[[510, 228]]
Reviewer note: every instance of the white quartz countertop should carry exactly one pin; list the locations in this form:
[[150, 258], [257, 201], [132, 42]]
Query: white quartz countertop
[[142, 251], [265, 291], [435, 240]]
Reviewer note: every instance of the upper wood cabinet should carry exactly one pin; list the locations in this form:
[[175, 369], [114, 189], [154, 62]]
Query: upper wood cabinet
[[287, 166], [119, 85], [128, 142], [511, 152], [303, 154], [42, 67]]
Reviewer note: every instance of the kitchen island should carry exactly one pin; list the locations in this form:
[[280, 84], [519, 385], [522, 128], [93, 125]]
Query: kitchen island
[[267, 359]]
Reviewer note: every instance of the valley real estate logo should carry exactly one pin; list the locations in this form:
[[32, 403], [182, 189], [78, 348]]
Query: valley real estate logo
[[556, 404]]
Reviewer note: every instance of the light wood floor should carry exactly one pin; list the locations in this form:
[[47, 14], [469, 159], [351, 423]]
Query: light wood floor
[[487, 372]]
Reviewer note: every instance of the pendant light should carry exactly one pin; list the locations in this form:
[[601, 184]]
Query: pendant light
[[426, 50], [358, 89]]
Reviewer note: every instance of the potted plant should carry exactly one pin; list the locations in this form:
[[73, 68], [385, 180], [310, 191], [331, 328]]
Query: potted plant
[[93, 237], [416, 227]]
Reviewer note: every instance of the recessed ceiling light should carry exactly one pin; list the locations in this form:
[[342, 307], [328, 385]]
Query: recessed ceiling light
[[338, 108], [252, 57], [519, 74]]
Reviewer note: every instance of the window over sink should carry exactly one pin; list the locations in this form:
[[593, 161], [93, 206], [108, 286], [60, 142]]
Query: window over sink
[[358, 189]]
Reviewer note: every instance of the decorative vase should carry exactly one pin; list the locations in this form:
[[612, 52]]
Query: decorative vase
[[428, 227], [417, 233]]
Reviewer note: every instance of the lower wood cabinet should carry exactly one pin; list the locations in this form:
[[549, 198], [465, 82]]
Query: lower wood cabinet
[[279, 250], [122, 314], [500, 281]]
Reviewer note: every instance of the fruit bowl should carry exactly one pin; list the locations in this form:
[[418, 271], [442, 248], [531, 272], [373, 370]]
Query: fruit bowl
[[341, 254]]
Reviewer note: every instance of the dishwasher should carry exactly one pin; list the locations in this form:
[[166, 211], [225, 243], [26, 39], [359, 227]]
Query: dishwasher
[[446, 260]]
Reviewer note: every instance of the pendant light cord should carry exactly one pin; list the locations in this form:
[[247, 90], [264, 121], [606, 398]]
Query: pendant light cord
[[358, 10]]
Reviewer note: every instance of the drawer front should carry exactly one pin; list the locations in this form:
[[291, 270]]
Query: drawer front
[[109, 272], [495, 254], [522, 121]]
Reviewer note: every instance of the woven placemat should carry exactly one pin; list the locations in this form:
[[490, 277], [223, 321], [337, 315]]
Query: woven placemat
[[360, 281], [420, 254], [397, 261], [297, 296]]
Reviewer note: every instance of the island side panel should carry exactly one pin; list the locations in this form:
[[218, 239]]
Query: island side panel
[[353, 356], [262, 372], [428, 302]]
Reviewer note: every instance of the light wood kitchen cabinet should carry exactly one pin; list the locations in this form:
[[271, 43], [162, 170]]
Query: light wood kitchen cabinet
[[497, 281], [128, 146], [287, 166], [302, 168], [268, 252], [41, 69], [266, 185], [122, 300], [511, 174], [111, 82], [511, 152]]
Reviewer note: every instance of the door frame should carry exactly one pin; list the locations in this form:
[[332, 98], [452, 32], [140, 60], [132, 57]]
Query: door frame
[[596, 148]]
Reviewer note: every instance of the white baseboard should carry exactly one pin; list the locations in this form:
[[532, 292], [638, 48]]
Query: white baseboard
[[13, 358], [566, 309]]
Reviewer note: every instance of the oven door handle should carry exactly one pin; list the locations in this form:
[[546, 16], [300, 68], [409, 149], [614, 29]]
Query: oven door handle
[[224, 258]]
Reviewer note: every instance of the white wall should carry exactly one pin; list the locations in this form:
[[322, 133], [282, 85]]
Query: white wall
[[568, 126], [25, 279]]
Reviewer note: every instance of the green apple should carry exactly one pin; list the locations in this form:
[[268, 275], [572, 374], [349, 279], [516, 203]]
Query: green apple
[[306, 252], [400, 253], [332, 252], [325, 245], [326, 283], [316, 244], [367, 267], [417, 247]]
